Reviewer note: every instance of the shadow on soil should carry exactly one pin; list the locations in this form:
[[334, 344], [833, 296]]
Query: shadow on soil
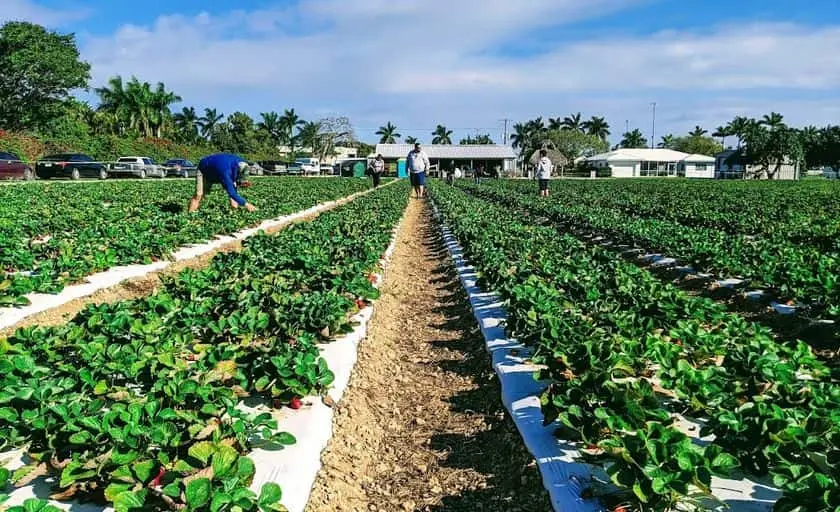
[[495, 450]]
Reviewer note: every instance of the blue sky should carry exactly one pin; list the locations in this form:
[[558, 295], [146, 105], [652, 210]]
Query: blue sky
[[469, 64]]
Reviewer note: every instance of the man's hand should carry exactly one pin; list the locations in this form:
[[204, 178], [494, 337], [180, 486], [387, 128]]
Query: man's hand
[[250, 207]]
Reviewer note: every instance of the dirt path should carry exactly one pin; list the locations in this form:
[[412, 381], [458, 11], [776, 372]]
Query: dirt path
[[421, 427]]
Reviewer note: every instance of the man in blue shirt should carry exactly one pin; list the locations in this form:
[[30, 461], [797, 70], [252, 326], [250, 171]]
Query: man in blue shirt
[[224, 168]]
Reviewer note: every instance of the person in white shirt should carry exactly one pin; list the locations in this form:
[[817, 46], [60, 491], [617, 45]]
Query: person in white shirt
[[377, 168], [544, 168], [418, 164]]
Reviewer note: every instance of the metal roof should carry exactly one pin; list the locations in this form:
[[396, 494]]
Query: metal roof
[[452, 152], [650, 155]]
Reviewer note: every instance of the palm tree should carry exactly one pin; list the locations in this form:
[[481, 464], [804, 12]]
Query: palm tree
[[271, 125], [186, 122], [411, 140], [739, 127], [289, 122], [697, 132], [388, 134], [160, 114], [555, 123], [572, 123], [597, 126], [723, 132], [309, 135], [519, 137], [441, 135], [634, 139], [772, 120], [209, 122], [113, 102], [667, 141]]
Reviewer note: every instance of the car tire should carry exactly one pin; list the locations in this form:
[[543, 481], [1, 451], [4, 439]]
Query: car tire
[[103, 174], [28, 174], [142, 174], [75, 174]]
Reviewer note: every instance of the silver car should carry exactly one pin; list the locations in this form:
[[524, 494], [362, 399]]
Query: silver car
[[138, 166]]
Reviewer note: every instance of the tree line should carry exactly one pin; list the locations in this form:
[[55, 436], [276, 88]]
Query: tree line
[[41, 69]]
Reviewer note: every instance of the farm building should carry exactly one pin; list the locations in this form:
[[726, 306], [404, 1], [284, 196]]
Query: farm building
[[728, 165], [633, 163], [468, 156]]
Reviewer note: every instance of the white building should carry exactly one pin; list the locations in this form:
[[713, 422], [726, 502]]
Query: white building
[[490, 157], [730, 166], [634, 163]]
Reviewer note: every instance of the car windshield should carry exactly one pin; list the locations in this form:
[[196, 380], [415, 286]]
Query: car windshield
[[148, 161], [8, 156], [132, 160]]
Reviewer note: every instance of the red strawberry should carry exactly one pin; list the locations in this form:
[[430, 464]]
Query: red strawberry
[[679, 343], [622, 508], [295, 403], [156, 480], [371, 278], [360, 304], [292, 341]]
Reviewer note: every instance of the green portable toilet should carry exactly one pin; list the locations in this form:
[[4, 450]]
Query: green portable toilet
[[359, 169], [401, 168]]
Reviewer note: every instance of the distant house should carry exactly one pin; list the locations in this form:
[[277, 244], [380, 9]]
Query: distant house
[[730, 164], [644, 162], [467, 156]]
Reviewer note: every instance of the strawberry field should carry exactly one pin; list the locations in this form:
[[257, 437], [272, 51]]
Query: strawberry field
[[777, 237], [137, 404], [670, 397], [54, 234]]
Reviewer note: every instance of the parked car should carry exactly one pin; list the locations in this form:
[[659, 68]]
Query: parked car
[[180, 167], [12, 167], [256, 169], [70, 165], [327, 170], [273, 167], [139, 166]]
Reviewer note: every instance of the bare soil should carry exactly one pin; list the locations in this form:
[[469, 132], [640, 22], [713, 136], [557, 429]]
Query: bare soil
[[147, 284], [422, 427]]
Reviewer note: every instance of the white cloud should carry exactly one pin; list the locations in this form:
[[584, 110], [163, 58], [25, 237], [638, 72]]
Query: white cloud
[[28, 10], [420, 62]]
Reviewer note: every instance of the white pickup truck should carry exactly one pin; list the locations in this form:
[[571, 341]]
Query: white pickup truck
[[140, 166]]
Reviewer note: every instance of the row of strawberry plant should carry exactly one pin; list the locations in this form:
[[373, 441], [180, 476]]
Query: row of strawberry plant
[[805, 212], [55, 234], [804, 273], [136, 403], [616, 341]]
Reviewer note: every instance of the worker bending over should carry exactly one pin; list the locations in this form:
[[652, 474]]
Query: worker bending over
[[224, 168]]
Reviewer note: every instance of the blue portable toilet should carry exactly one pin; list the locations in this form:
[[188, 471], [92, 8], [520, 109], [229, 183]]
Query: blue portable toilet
[[402, 172]]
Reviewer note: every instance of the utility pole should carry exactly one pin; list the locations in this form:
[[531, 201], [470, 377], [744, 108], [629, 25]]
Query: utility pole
[[626, 126], [505, 134], [653, 128]]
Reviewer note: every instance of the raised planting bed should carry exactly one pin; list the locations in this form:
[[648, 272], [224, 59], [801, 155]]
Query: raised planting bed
[[156, 403], [626, 360], [52, 235]]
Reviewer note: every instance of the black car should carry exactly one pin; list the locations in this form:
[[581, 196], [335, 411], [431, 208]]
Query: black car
[[180, 167], [70, 165]]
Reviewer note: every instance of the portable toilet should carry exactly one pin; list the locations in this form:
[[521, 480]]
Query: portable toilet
[[359, 169], [402, 171]]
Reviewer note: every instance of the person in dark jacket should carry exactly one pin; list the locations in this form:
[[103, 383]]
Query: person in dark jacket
[[224, 168]]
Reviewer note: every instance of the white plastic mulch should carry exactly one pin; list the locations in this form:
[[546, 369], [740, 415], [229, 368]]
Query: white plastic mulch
[[294, 467], [563, 475], [40, 302]]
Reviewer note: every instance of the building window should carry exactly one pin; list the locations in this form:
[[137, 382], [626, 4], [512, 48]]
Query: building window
[[700, 167]]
